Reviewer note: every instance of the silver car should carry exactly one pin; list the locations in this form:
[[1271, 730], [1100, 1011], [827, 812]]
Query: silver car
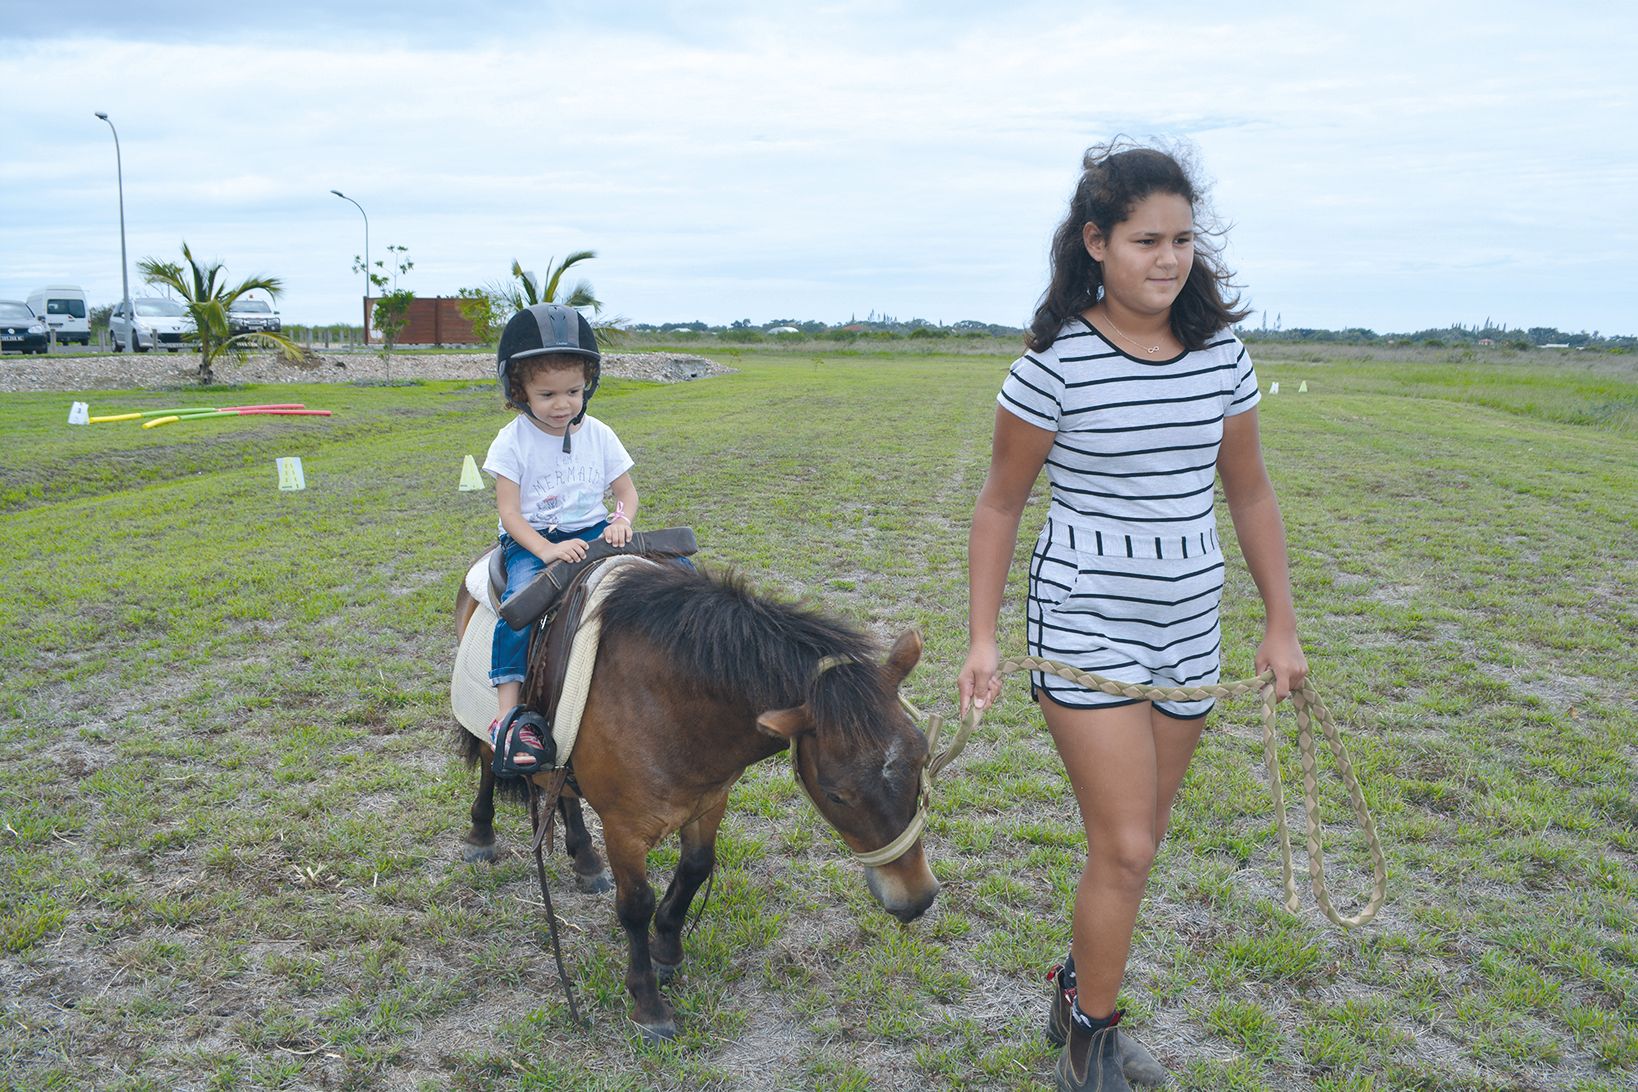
[[246, 315], [159, 324]]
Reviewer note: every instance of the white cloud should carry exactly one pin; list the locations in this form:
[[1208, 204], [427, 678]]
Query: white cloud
[[733, 162]]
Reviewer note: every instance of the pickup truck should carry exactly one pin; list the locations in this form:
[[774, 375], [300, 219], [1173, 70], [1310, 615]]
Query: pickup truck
[[246, 315]]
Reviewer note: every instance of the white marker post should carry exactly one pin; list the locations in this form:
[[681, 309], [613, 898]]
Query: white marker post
[[1274, 388], [79, 414], [470, 478], [290, 473], [1302, 388]]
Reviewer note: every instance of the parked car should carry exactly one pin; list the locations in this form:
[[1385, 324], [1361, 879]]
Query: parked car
[[62, 306], [247, 314], [159, 323], [21, 330]]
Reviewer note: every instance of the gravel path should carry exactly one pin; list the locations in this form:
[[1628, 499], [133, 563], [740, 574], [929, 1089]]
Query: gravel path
[[166, 371]]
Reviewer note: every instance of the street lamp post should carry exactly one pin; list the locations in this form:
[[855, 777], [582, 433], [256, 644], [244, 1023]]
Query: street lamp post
[[124, 275], [366, 216]]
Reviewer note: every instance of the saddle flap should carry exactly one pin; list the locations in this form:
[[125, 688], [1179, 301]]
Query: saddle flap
[[497, 576], [550, 650]]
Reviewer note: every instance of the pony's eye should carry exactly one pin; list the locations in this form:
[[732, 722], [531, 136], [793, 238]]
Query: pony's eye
[[834, 799]]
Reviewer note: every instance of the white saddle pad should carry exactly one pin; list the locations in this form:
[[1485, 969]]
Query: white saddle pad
[[473, 698]]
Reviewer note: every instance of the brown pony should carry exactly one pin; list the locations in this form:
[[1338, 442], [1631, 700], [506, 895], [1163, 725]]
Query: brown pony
[[696, 679]]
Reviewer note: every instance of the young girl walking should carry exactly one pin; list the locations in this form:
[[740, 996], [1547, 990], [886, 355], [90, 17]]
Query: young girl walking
[[1136, 396], [552, 466]]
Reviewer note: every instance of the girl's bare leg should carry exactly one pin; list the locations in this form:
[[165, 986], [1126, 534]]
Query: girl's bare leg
[[1125, 764]]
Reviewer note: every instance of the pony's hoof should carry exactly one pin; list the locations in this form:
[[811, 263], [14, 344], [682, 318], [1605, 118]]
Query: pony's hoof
[[593, 885], [479, 854], [662, 1032], [664, 972]]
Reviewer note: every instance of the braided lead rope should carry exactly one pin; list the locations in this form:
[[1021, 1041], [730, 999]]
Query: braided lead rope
[[1310, 709]]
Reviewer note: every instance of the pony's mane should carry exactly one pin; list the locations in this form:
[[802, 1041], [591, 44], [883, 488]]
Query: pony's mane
[[738, 644]]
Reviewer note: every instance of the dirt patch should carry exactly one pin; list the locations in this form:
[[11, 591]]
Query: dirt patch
[[163, 371]]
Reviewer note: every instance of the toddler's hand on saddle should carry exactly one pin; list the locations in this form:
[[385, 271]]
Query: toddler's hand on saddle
[[570, 550], [617, 533]]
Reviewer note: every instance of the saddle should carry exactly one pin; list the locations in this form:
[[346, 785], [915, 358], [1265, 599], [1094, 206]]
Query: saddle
[[558, 674], [557, 600], [542, 593]]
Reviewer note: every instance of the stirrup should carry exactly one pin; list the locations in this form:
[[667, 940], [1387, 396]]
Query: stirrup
[[522, 732]]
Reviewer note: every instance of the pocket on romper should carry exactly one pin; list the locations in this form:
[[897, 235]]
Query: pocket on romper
[[1053, 569], [1106, 585]]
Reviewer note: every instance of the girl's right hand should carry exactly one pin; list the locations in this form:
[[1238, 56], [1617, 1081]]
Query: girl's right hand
[[570, 550], [978, 683]]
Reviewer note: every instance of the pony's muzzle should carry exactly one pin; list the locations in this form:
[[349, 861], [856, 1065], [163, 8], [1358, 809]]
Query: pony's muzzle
[[905, 888]]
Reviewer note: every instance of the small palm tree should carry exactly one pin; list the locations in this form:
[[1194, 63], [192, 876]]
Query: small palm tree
[[207, 299], [525, 291]]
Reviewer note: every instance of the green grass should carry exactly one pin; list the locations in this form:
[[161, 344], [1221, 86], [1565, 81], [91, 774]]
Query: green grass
[[230, 852]]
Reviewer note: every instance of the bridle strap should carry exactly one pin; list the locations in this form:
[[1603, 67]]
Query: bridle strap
[[936, 761], [899, 846]]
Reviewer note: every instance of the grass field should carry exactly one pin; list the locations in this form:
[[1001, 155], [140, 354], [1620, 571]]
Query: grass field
[[230, 856]]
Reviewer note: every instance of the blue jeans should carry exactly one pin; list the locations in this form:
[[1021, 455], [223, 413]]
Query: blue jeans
[[509, 655]]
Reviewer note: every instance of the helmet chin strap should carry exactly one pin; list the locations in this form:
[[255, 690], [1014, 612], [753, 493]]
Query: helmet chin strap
[[568, 430]]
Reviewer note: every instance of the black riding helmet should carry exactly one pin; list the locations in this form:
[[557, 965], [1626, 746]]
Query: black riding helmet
[[548, 328]]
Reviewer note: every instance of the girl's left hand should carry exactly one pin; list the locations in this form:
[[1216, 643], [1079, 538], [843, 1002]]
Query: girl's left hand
[[617, 533], [1283, 653]]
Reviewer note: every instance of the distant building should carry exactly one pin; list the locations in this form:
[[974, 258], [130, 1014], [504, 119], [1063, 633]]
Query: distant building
[[431, 320]]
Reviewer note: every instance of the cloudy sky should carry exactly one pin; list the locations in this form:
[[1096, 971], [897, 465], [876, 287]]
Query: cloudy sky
[[1388, 165]]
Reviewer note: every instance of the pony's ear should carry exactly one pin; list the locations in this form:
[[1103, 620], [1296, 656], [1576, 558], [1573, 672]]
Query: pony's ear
[[785, 723], [905, 655]]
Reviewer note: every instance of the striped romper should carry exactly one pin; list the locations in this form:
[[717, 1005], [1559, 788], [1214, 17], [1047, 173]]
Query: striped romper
[[1126, 575]]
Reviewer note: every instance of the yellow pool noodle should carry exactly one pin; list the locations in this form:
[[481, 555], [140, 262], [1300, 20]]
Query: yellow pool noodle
[[115, 417]]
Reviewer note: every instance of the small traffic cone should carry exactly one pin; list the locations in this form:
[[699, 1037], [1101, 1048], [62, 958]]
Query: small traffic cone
[[470, 478]]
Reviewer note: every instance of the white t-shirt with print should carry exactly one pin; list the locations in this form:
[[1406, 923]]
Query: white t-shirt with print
[[557, 490]]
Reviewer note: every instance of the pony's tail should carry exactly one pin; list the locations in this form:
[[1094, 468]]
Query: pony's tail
[[473, 752]]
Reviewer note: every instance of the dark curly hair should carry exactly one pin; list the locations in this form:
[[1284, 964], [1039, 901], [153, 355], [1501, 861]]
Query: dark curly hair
[[521, 371], [1114, 178]]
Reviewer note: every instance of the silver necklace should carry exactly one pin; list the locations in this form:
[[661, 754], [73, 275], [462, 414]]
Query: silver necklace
[[1150, 349]]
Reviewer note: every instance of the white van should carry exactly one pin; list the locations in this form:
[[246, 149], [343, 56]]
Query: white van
[[63, 308]]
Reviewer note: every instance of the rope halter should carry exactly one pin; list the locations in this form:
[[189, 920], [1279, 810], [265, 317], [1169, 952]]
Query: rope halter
[[899, 846]]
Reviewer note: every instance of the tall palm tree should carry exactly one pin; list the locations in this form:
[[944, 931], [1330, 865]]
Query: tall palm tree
[[208, 297]]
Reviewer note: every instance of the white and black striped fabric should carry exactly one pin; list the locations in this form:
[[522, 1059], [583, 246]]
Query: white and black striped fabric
[[1126, 575]]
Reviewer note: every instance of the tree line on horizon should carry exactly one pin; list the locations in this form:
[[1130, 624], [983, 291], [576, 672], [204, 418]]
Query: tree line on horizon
[[489, 306]]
